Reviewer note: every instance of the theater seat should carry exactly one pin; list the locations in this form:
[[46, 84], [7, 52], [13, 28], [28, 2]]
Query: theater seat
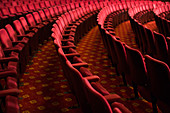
[[98, 102], [33, 38], [159, 84], [8, 46]]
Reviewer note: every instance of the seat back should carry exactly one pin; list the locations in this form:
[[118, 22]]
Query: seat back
[[121, 55], [56, 10], [37, 17], [62, 22], [30, 20], [77, 81], [19, 27], [47, 4], [72, 16], [97, 102], [150, 41], [72, 5], [60, 10], [19, 9], [52, 3], [5, 39], [42, 4], [159, 75], [68, 17], [5, 11], [65, 19], [24, 23], [52, 11], [47, 13], [12, 10], [37, 5], [31, 6], [60, 26], [25, 7], [64, 8], [161, 47], [68, 7], [11, 32], [138, 71], [1, 53], [42, 15], [111, 48]]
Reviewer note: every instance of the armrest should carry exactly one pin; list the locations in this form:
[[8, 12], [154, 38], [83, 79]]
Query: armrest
[[65, 40], [93, 78], [13, 92], [108, 28], [33, 27], [21, 36], [72, 54], [5, 74], [7, 59], [29, 31], [117, 107], [65, 47], [78, 65], [112, 98], [66, 35], [67, 31], [10, 50]]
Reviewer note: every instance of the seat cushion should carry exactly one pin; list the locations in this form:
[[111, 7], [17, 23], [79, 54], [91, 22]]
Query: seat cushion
[[12, 66], [100, 88], [69, 43], [71, 50], [12, 104], [11, 82], [85, 72], [14, 54], [77, 59], [25, 40]]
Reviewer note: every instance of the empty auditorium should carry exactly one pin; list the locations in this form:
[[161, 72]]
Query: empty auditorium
[[84, 56]]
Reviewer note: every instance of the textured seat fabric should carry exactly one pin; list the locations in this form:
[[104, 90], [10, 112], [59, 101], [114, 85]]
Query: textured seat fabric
[[97, 102], [138, 71], [33, 38], [14, 38], [159, 84], [161, 47], [9, 61], [12, 105], [7, 45]]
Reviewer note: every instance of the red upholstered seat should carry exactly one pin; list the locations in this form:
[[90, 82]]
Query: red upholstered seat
[[98, 102], [161, 47], [159, 84], [33, 38], [15, 39], [7, 45]]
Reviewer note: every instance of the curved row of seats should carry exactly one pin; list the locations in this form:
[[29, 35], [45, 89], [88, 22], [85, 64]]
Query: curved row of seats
[[8, 14], [29, 29], [142, 72], [156, 46], [152, 43], [161, 19], [20, 37], [91, 96]]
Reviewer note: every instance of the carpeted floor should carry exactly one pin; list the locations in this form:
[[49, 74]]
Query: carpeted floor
[[44, 89]]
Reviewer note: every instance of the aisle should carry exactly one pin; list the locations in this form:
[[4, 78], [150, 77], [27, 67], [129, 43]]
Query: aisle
[[44, 89]]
